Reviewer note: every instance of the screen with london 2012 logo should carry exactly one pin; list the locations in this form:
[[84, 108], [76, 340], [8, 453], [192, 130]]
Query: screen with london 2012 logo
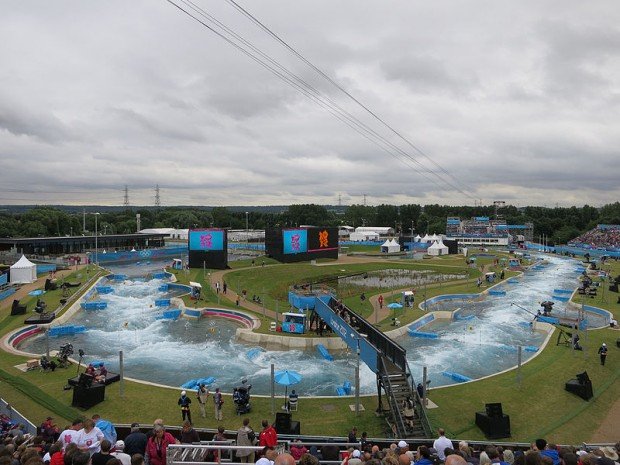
[[295, 241], [208, 239]]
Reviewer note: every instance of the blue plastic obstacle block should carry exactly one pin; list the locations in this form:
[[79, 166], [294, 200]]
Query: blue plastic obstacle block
[[191, 384], [513, 281], [324, 352], [160, 275], [119, 277], [496, 293], [94, 305], [530, 348], [560, 298], [340, 391], [456, 376], [64, 330], [163, 288], [104, 289], [464, 318], [525, 324], [422, 334], [206, 381], [162, 302], [254, 352], [170, 314], [347, 387], [562, 291]]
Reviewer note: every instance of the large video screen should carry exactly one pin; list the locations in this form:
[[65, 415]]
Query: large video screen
[[294, 241], [206, 239]]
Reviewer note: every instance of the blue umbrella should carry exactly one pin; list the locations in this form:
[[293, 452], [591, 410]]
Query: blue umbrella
[[286, 378], [395, 305]]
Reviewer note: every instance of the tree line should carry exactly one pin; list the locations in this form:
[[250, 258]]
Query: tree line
[[559, 224]]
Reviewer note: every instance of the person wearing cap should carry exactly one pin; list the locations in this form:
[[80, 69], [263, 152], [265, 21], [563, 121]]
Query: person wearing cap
[[441, 444], [602, 351], [610, 453], [354, 458], [184, 402], [48, 430], [135, 442], [402, 447], [202, 395], [119, 447]]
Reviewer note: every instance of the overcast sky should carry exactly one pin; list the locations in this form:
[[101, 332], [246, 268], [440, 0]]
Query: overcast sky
[[514, 101]]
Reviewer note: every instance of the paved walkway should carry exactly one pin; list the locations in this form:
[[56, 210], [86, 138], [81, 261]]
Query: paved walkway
[[24, 289]]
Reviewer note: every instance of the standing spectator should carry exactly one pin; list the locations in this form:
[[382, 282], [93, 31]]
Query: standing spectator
[[352, 435], [268, 436], [89, 437], [135, 442], [189, 434], [246, 437], [106, 427], [218, 401], [119, 453], [602, 351], [158, 444], [102, 457], [184, 402], [441, 443], [202, 395], [48, 430], [70, 434]]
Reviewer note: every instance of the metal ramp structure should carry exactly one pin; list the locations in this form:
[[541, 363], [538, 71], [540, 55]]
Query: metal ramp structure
[[386, 358]]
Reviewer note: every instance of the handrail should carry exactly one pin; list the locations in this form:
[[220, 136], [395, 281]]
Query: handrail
[[423, 416], [398, 419]]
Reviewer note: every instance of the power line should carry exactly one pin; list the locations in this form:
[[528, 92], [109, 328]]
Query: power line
[[337, 85], [309, 91]]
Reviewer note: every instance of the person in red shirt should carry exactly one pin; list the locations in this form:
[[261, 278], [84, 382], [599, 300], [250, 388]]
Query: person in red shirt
[[268, 436]]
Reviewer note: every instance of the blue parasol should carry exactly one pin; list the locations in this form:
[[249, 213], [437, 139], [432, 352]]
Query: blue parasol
[[286, 378]]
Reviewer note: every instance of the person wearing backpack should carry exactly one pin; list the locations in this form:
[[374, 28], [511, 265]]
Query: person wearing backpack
[[246, 437]]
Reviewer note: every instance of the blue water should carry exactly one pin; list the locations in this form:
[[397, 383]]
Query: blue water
[[172, 352]]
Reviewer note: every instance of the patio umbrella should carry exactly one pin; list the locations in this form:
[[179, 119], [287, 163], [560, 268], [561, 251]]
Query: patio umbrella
[[286, 378], [394, 306]]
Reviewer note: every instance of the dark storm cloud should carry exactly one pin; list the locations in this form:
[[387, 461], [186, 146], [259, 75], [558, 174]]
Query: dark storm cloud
[[518, 101]]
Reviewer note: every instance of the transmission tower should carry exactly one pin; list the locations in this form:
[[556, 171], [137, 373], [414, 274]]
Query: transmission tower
[[157, 200], [126, 197], [340, 200], [364, 199]]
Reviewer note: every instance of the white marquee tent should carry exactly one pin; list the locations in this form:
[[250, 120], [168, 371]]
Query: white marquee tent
[[23, 271], [438, 248], [426, 238], [390, 246], [417, 238]]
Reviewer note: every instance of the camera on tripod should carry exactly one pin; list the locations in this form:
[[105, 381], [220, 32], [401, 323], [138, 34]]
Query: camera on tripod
[[65, 351]]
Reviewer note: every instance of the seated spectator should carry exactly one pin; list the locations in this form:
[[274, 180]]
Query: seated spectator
[[298, 449]]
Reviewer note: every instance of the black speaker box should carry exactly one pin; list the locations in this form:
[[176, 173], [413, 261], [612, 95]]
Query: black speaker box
[[283, 422], [86, 398], [295, 428], [494, 409], [581, 386], [493, 427]]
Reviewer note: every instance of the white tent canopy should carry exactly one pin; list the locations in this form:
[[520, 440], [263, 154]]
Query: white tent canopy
[[417, 238], [390, 246], [23, 271], [438, 248], [426, 238], [435, 237]]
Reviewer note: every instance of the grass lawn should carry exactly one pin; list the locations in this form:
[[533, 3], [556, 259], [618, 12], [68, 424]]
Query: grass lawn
[[539, 406]]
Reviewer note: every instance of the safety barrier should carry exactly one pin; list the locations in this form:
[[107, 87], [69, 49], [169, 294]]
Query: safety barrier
[[163, 288], [560, 298], [562, 291], [162, 302], [104, 289], [8, 292]]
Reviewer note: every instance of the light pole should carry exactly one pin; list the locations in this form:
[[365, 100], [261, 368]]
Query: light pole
[[357, 379], [247, 229], [96, 243]]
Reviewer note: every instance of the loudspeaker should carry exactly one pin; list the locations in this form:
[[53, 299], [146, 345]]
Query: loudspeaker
[[295, 428], [582, 386], [494, 410], [493, 427], [88, 397], [283, 422], [85, 380]]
